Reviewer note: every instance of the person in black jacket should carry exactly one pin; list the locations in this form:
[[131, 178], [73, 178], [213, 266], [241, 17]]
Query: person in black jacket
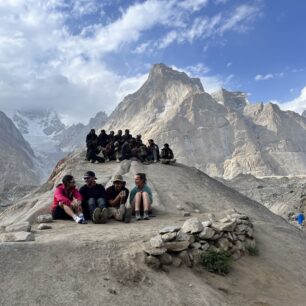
[[94, 202], [91, 136], [167, 156]]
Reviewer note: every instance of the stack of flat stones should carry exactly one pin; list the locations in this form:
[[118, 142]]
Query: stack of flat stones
[[186, 245]]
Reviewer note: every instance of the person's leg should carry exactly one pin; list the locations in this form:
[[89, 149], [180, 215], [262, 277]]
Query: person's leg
[[69, 211], [155, 155], [91, 205], [137, 200], [146, 205], [101, 203], [59, 213]]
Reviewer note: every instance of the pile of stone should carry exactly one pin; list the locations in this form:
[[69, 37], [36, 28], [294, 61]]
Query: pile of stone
[[176, 245]]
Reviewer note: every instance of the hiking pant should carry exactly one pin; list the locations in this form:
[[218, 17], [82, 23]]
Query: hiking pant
[[93, 204]]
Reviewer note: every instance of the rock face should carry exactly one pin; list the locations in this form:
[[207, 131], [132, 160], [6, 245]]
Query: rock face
[[17, 160], [220, 134]]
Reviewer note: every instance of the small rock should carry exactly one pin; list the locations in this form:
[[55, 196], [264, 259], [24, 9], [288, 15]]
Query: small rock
[[240, 228], [241, 237], [166, 259], [206, 223], [179, 207], [222, 244], [250, 243], [19, 227], [236, 254], [207, 233], [192, 225], [216, 236], [165, 268], [197, 211], [181, 236], [197, 256], [44, 226], [169, 229], [112, 291], [168, 236], [47, 218], [156, 241], [211, 217], [176, 262], [224, 227], [184, 256], [152, 262], [250, 232], [239, 216], [155, 251], [17, 237], [106, 278], [190, 285], [213, 248], [196, 245], [205, 246], [176, 246], [225, 220], [186, 214]]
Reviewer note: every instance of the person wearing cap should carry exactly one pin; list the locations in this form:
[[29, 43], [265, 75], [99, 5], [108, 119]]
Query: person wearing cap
[[167, 156], [141, 198], [94, 199], [117, 195], [67, 201]]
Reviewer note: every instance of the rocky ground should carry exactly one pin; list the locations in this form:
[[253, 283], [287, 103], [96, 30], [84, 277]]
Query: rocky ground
[[104, 264], [282, 195]]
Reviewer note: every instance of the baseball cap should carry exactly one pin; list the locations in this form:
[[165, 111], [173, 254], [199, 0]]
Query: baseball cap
[[90, 174]]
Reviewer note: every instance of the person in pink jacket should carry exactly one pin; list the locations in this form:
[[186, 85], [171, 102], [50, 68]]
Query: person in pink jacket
[[67, 201]]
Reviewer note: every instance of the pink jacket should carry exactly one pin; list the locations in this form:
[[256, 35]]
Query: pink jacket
[[61, 195]]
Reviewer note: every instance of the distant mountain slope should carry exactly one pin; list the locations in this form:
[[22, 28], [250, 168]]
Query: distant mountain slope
[[222, 134], [18, 165]]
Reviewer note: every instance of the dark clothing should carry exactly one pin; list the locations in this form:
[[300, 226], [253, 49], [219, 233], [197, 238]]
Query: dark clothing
[[103, 139], [111, 193], [153, 152], [92, 193], [126, 152], [90, 138], [166, 153], [127, 137], [91, 155], [119, 138], [59, 213]]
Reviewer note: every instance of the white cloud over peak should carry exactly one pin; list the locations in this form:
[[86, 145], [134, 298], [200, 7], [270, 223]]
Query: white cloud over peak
[[269, 76], [297, 105]]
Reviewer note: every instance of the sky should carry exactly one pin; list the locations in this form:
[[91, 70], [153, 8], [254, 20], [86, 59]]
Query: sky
[[83, 56]]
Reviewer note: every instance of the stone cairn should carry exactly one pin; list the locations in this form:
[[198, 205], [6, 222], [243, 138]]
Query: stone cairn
[[175, 245]]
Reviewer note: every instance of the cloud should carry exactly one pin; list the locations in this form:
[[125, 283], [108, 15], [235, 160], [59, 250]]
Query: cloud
[[297, 105], [54, 53], [269, 76]]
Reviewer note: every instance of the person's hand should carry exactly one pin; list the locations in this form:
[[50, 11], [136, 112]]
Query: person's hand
[[75, 203]]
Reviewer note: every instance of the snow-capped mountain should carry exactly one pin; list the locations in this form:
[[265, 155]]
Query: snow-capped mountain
[[39, 127]]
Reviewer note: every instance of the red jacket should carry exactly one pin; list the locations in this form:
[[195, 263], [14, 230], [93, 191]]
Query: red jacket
[[61, 195]]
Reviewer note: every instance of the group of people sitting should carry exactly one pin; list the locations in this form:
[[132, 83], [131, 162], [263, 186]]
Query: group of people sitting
[[106, 147], [93, 202]]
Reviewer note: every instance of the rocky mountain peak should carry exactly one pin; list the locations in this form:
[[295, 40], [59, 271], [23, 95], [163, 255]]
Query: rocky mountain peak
[[235, 100], [162, 73], [304, 113]]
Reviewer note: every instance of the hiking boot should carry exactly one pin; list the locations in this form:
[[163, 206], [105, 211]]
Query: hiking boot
[[137, 215], [103, 215], [128, 215], [96, 215], [146, 216]]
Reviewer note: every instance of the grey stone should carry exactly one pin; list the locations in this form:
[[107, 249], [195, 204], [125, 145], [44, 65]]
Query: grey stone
[[250, 243], [182, 236], [205, 246], [169, 229], [225, 220], [186, 214], [197, 256], [236, 254], [197, 211], [207, 233], [176, 246], [216, 236], [192, 225], [168, 236], [222, 244], [184, 256], [206, 223], [224, 227], [17, 237], [44, 226], [212, 217], [241, 237], [196, 245], [19, 227], [176, 262], [250, 232], [152, 262], [179, 207], [155, 251], [240, 228], [47, 218], [239, 216], [156, 241], [166, 259]]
